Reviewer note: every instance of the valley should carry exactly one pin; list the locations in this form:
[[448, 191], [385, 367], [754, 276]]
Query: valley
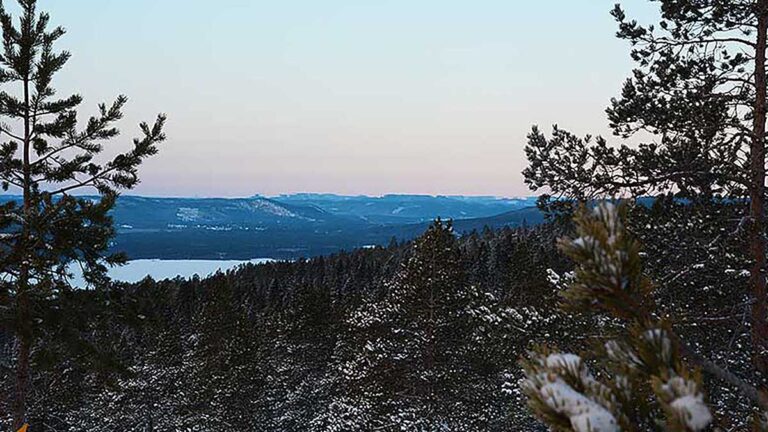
[[296, 226]]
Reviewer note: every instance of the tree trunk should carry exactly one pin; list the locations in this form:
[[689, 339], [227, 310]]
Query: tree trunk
[[22, 383], [757, 196], [430, 353], [23, 314]]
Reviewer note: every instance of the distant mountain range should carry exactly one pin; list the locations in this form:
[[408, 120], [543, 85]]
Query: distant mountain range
[[298, 225], [404, 209]]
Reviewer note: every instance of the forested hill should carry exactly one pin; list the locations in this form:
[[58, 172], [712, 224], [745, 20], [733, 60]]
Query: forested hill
[[337, 343], [407, 337], [295, 226]]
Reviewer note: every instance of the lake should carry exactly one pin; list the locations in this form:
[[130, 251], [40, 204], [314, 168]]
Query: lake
[[137, 270]]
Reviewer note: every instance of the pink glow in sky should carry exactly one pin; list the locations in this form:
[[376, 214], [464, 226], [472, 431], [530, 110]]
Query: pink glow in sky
[[345, 96]]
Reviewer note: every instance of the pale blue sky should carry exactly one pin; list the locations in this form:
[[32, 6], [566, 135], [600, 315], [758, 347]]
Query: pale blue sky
[[347, 96]]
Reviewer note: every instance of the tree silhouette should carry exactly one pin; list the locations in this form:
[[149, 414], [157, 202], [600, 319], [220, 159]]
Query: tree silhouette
[[47, 157], [697, 101]]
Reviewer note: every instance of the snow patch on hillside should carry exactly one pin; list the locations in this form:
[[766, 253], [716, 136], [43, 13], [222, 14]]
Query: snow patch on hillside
[[188, 214], [272, 208]]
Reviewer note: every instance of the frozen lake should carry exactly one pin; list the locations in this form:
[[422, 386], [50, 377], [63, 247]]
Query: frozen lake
[[137, 270]]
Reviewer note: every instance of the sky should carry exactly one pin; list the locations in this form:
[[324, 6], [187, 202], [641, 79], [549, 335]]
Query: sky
[[344, 96]]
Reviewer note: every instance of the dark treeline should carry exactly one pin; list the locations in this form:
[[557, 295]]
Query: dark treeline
[[412, 336], [421, 336]]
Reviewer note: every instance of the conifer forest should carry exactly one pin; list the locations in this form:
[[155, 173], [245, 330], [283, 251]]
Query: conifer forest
[[626, 292]]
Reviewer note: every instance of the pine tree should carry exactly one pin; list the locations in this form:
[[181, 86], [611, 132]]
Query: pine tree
[[221, 364], [699, 92], [645, 381], [154, 394], [411, 363], [47, 158]]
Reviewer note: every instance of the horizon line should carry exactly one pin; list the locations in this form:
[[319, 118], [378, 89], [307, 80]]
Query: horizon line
[[289, 194]]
